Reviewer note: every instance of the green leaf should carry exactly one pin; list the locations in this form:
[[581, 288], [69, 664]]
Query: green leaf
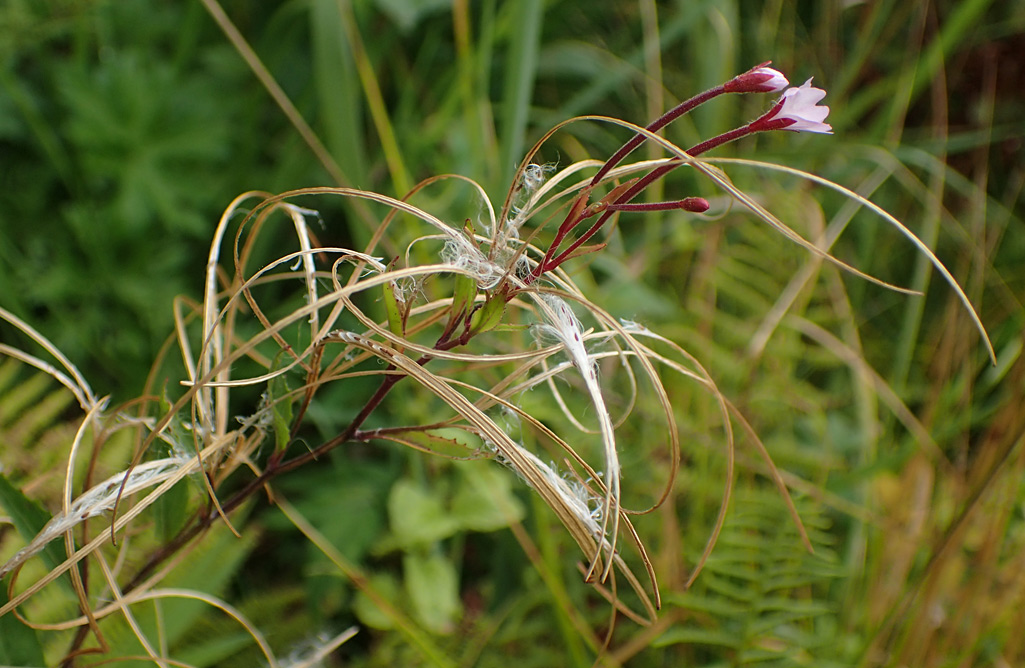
[[280, 399], [488, 316], [696, 636], [339, 96], [408, 13], [712, 605], [463, 295], [367, 610], [19, 645], [484, 500], [447, 442], [208, 568], [29, 518], [214, 650], [392, 308], [171, 511], [433, 588], [416, 516], [520, 75]]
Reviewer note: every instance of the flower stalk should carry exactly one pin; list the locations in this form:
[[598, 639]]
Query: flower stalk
[[797, 110], [759, 79]]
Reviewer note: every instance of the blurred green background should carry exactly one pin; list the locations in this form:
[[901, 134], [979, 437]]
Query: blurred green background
[[127, 127]]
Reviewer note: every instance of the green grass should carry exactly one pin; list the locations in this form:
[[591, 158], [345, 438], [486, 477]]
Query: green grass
[[127, 128]]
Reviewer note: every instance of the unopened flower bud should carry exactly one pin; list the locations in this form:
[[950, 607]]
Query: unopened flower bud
[[695, 204], [759, 79]]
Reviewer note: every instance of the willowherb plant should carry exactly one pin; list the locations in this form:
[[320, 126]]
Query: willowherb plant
[[493, 295]]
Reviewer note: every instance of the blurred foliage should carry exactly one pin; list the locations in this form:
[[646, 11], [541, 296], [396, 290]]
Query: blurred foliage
[[126, 127]]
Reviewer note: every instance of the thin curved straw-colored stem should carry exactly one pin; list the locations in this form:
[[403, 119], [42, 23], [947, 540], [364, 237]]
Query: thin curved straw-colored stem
[[126, 611], [75, 382], [705, 166], [501, 397], [900, 227], [212, 601]]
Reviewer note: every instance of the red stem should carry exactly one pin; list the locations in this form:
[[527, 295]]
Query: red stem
[[656, 125], [549, 262]]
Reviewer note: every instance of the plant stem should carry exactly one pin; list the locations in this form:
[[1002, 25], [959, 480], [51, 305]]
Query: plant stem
[[577, 215], [202, 522], [656, 125], [276, 468]]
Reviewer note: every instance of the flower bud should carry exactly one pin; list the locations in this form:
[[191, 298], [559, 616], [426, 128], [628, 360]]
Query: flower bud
[[759, 79], [695, 204]]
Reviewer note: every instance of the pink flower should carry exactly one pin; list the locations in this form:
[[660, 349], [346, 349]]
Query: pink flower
[[760, 79], [798, 110]]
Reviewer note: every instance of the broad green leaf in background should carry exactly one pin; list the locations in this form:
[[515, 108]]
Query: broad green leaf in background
[[484, 500], [417, 516], [433, 587], [29, 518], [367, 611], [19, 645]]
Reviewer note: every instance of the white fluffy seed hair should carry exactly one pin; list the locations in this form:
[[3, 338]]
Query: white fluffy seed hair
[[563, 324], [462, 254], [575, 496], [533, 177]]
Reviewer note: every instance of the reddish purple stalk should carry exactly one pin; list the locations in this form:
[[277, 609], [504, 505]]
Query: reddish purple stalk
[[579, 213]]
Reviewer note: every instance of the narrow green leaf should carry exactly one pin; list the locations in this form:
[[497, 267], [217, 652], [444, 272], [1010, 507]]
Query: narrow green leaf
[[280, 398], [171, 511], [392, 308], [519, 80], [488, 316], [714, 605], [463, 295], [448, 442], [696, 636], [215, 650], [407, 14], [374, 98], [340, 98]]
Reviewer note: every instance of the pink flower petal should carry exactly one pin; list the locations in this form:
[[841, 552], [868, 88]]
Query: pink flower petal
[[800, 105]]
